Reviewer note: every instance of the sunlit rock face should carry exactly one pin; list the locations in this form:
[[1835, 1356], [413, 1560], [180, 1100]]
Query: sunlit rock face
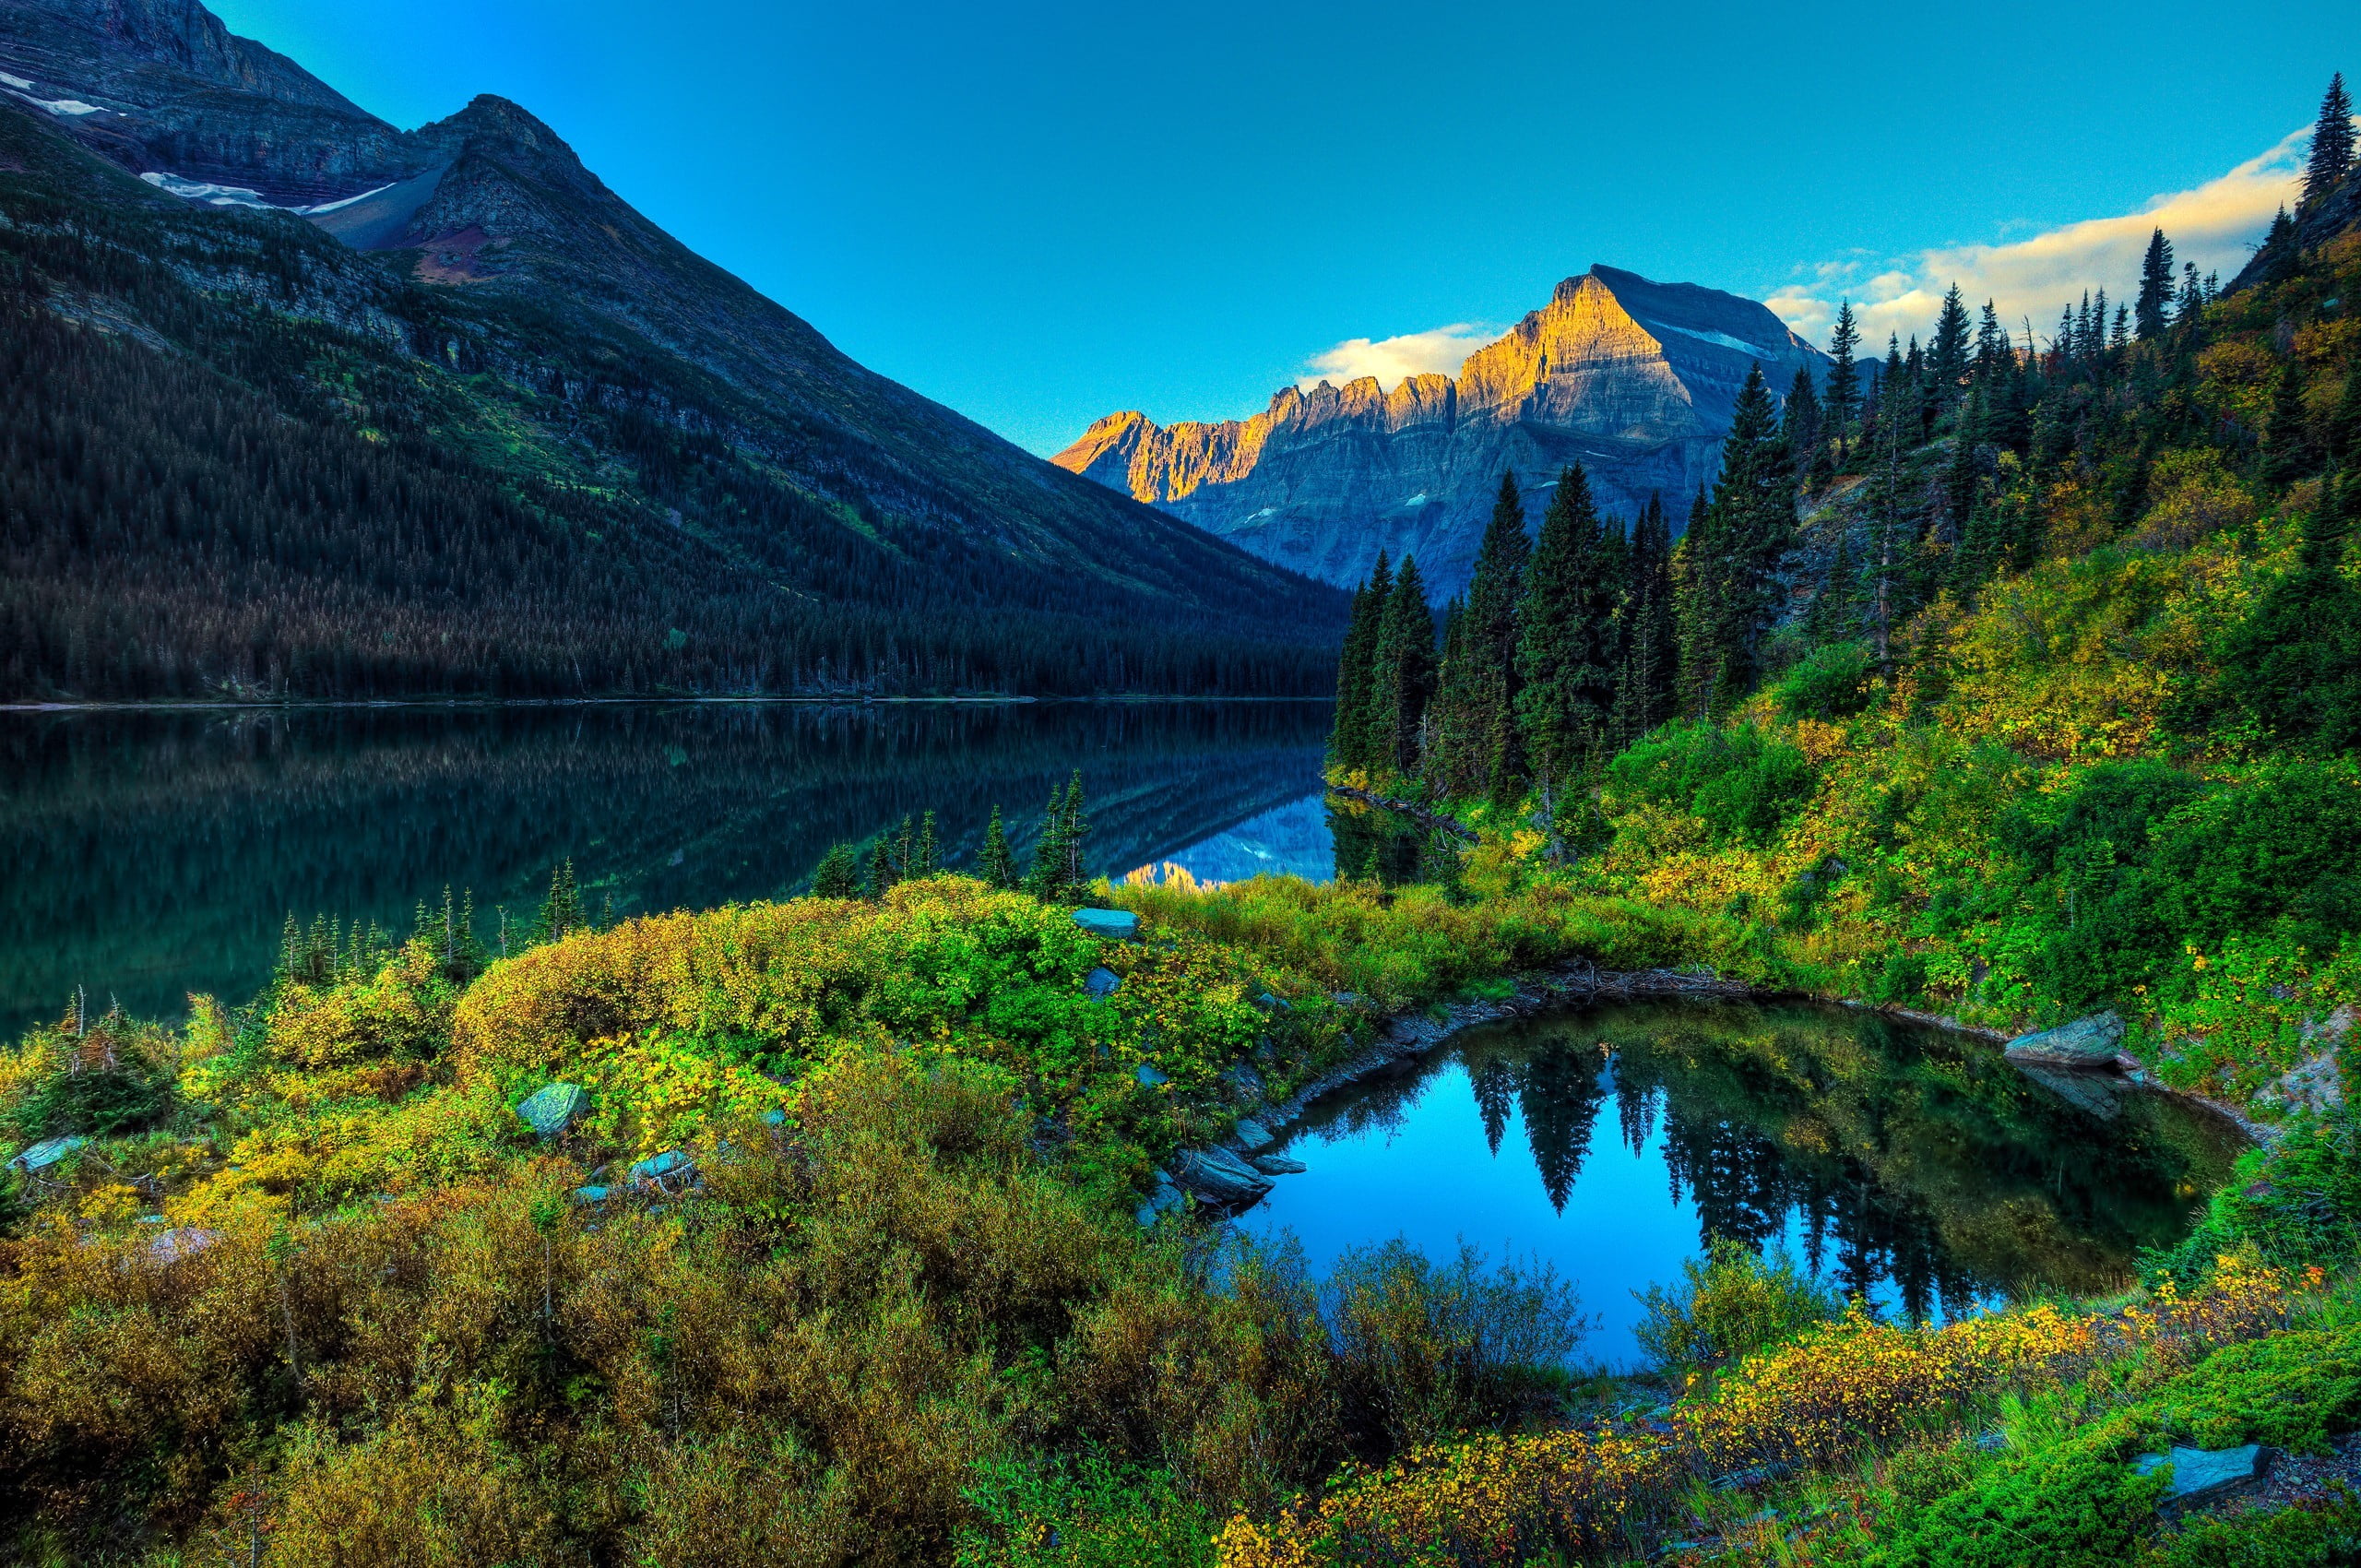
[[1634, 380]]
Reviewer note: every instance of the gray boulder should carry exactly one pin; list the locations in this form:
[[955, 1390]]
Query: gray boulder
[[1162, 1200], [1116, 926], [1250, 1133], [1100, 984], [1278, 1165], [551, 1110], [1219, 1177], [183, 1242], [2089, 1042], [1150, 1077], [2201, 1475], [48, 1152]]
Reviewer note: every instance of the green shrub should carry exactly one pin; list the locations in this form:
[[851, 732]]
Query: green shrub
[[1731, 1303], [1426, 1349], [2072, 1504], [1091, 1514], [2325, 1533], [1831, 683], [1744, 785]]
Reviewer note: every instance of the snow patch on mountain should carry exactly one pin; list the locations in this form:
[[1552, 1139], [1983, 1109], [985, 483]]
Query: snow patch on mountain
[[239, 195], [19, 83], [1724, 339]]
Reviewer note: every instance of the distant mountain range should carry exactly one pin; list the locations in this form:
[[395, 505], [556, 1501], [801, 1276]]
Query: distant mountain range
[[1633, 379], [671, 483]]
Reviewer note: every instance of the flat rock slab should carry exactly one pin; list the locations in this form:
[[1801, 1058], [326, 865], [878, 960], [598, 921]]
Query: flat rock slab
[[2089, 1042], [1218, 1176], [1116, 926], [1100, 984], [2205, 1475], [48, 1152], [551, 1110]]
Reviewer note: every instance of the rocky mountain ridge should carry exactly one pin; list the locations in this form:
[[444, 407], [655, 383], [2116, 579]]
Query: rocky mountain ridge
[[1634, 379]]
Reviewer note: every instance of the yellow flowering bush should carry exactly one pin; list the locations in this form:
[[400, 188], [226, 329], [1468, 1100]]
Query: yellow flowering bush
[[1854, 1382]]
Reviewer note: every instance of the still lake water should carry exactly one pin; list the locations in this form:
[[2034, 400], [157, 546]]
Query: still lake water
[[1916, 1169], [152, 854]]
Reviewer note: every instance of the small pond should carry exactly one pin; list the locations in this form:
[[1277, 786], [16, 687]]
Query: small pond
[[1910, 1166]]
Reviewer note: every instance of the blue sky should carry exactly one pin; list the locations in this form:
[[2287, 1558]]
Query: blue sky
[[1037, 213]]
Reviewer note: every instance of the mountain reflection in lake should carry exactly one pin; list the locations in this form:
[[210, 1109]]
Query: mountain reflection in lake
[[151, 854], [1911, 1167]]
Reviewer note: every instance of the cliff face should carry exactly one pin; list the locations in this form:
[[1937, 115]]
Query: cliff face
[[1633, 379]]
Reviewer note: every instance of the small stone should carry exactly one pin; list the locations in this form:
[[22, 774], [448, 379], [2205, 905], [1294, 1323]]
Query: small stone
[[2205, 1475], [171, 1246], [657, 1167], [1149, 1077], [1245, 1081], [1278, 1165], [1270, 1004], [1163, 1198], [1116, 926], [1250, 1133], [43, 1155], [589, 1195], [2085, 1042], [550, 1111], [1100, 984]]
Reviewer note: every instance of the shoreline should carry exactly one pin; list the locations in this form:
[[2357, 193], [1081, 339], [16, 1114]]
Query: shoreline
[[1402, 1038], [263, 705]]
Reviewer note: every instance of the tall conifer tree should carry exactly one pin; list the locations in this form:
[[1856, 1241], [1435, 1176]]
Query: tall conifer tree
[[1480, 753], [2332, 156], [2155, 288], [1347, 737], [1402, 676], [1843, 400], [1645, 695], [1565, 639]]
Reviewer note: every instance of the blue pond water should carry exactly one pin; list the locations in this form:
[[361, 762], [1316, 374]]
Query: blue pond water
[[1916, 1170]]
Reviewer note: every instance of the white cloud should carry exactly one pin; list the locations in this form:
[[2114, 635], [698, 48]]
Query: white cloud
[[1439, 350], [2216, 225]]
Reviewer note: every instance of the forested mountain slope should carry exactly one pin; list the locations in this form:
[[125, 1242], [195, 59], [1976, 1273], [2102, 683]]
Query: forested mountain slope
[[366, 413]]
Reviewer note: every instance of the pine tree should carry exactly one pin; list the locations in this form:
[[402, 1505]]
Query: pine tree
[[561, 912], [1476, 714], [1647, 681], [2280, 256], [2286, 445], [1844, 393], [2332, 156], [1799, 422], [906, 849], [1402, 676], [2153, 315], [881, 868], [1347, 749], [1834, 616], [838, 874], [1735, 548], [1948, 356], [1048, 854], [924, 859], [995, 863], [1565, 652]]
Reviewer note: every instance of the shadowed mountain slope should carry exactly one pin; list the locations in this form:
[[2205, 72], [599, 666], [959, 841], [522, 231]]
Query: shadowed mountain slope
[[545, 447]]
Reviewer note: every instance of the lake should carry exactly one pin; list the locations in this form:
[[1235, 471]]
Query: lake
[[1909, 1166], [155, 853]]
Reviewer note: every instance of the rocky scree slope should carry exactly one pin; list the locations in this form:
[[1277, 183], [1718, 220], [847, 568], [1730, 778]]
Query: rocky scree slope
[[1634, 380]]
